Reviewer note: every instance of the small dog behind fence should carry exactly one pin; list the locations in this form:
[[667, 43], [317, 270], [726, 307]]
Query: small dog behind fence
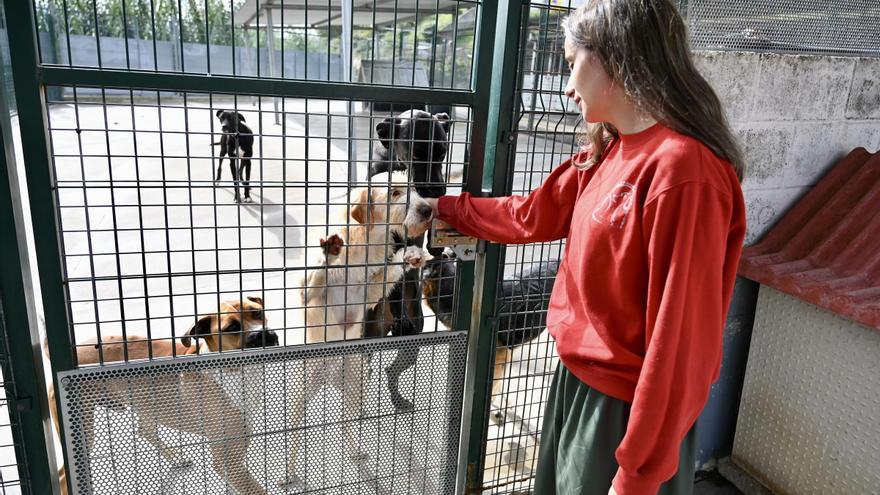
[[416, 143], [236, 325], [359, 264], [236, 143]]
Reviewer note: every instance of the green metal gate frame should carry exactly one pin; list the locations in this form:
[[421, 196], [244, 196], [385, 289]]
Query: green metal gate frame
[[500, 140], [492, 102], [21, 361]]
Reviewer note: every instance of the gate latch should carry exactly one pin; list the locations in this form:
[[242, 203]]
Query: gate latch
[[442, 235]]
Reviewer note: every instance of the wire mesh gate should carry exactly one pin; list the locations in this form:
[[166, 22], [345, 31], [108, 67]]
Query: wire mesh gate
[[150, 248], [249, 445]]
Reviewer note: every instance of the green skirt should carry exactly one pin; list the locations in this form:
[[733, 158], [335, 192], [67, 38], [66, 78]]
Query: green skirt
[[582, 429]]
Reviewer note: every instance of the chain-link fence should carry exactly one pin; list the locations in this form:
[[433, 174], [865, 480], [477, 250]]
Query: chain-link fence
[[831, 27]]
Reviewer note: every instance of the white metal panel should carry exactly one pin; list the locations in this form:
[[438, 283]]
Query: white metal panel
[[215, 423], [809, 420]]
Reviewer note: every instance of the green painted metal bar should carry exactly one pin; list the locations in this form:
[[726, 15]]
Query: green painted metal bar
[[495, 85], [167, 81], [26, 392], [501, 133], [467, 316], [39, 174], [29, 94]]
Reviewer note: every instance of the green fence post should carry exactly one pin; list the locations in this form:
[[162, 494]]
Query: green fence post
[[493, 138], [28, 408], [29, 92], [20, 351], [33, 123]]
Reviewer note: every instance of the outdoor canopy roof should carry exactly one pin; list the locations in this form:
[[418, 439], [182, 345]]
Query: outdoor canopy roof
[[317, 13]]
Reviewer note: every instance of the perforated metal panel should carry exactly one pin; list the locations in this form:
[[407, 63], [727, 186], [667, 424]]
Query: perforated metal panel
[[802, 26], [229, 416], [809, 420]]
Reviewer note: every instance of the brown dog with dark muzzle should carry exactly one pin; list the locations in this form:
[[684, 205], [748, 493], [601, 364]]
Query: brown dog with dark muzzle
[[237, 325]]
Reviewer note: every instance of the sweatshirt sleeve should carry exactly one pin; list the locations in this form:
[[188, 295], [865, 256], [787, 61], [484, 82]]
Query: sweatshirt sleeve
[[543, 215], [686, 231]]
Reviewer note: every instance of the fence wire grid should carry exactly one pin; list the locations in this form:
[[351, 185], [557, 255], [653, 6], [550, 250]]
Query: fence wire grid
[[152, 241], [546, 126], [416, 43], [831, 27]]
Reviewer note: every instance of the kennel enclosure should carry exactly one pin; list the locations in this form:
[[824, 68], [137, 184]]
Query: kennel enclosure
[[131, 234]]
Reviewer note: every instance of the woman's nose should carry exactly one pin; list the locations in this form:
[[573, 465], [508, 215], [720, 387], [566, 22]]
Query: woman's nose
[[569, 89]]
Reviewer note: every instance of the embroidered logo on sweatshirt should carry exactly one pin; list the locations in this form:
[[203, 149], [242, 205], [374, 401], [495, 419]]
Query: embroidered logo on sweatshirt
[[615, 206]]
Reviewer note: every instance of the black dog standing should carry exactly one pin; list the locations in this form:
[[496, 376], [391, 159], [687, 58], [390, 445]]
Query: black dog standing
[[415, 142], [237, 142]]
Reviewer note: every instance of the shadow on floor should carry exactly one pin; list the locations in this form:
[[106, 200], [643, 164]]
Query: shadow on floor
[[712, 483]]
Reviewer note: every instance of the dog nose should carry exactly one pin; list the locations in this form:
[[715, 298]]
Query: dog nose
[[261, 338], [425, 211], [431, 191]]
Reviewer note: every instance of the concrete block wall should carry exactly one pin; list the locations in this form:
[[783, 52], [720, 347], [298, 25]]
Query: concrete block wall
[[795, 116]]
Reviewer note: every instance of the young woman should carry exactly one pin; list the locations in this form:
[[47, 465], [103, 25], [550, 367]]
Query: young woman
[[654, 219]]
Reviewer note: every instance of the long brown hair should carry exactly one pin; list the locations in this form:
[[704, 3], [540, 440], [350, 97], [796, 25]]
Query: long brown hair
[[643, 46]]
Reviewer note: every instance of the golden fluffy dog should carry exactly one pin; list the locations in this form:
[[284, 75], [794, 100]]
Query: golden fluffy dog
[[360, 263]]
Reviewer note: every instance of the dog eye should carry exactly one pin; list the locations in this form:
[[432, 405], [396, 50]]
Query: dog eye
[[396, 193], [232, 327]]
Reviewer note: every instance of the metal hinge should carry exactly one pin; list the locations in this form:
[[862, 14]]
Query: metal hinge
[[508, 137]]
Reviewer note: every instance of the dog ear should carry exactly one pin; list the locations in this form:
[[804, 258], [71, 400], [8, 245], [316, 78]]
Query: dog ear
[[202, 327], [360, 205], [240, 116], [218, 113], [256, 299], [444, 120], [387, 130]]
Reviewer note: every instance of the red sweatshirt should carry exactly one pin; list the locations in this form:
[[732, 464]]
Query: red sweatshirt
[[654, 234]]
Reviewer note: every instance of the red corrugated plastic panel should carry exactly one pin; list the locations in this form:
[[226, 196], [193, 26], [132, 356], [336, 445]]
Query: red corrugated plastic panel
[[826, 249]]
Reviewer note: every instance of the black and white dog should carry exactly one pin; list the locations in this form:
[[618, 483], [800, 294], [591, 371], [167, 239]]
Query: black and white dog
[[416, 142], [237, 142]]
